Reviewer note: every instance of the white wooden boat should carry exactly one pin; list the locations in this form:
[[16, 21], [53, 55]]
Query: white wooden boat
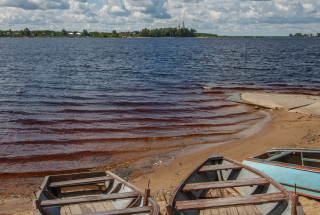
[[92, 193], [223, 186]]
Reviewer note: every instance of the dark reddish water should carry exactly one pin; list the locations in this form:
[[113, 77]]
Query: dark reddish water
[[74, 104]]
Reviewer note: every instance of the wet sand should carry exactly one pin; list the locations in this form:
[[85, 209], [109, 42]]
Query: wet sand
[[285, 129]]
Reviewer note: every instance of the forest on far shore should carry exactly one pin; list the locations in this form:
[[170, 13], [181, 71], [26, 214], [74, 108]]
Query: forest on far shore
[[157, 32]]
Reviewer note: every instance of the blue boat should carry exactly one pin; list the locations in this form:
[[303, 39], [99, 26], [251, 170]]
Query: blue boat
[[298, 170]]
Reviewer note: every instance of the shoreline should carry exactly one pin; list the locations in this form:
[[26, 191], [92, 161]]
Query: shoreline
[[284, 129], [293, 130]]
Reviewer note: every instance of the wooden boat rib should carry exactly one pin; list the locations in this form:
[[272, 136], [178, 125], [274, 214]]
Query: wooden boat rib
[[223, 186], [92, 193], [299, 168]]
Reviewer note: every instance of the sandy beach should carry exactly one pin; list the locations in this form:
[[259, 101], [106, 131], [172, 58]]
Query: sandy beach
[[287, 128]]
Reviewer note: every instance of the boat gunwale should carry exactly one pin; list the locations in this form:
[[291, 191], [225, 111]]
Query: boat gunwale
[[285, 165], [37, 209], [306, 188], [294, 150]]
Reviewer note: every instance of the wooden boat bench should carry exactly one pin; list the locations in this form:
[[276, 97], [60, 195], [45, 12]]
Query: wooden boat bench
[[126, 211], [225, 184], [282, 154], [311, 160], [209, 168], [78, 182], [230, 201], [67, 201]]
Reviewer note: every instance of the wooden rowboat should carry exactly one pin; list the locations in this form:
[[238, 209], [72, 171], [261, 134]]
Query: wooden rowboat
[[298, 170], [92, 193], [221, 185]]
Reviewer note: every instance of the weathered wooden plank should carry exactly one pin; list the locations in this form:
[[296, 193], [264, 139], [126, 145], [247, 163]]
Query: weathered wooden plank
[[212, 193], [230, 201], [226, 193], [282, 154], [81, 193], [232, 192], [223, 211], [256, 210], [65, 210], [214, 211], [67, 201], [75, 209], [89, 205], [251, 210], [126, 211], [98, 207], [210, 168], [233, 211], [224, 184], [241, 210], [62, 211], [78, 182], [75, 176], [85, 208], [108, 205], [311, 160], [215, 157], [205, 212]]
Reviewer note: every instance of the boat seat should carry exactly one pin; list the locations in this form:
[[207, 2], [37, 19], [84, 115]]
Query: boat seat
[[282, 154], [215, 157], [78, 182], [201, 204], [311, 160], [210, 168], [225, 184], [135, 210], [67, 201]]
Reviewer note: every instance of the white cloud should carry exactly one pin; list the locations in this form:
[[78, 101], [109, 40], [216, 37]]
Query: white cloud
[[35, 4], [226, 17], [117, 9]]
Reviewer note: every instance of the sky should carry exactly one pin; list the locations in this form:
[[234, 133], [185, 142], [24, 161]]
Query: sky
[[222, 17]]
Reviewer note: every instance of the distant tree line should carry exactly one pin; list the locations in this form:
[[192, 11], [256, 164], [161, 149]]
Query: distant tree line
[[158, 32], [49, 33], [304, 35], [206, 35], [168, 32]]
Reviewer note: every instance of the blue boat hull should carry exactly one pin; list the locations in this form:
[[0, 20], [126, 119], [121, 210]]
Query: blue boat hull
[[306, 181]]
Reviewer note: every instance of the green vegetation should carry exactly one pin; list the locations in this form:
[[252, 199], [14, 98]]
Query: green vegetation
[[304, 35], [206, 35], [168, 32], [158, 32]]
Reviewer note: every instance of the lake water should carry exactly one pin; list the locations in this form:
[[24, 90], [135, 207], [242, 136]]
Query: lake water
[[72, 104]]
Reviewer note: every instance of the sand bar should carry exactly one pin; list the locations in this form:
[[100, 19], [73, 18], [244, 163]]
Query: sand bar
[[306, 104], [285, 129]]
